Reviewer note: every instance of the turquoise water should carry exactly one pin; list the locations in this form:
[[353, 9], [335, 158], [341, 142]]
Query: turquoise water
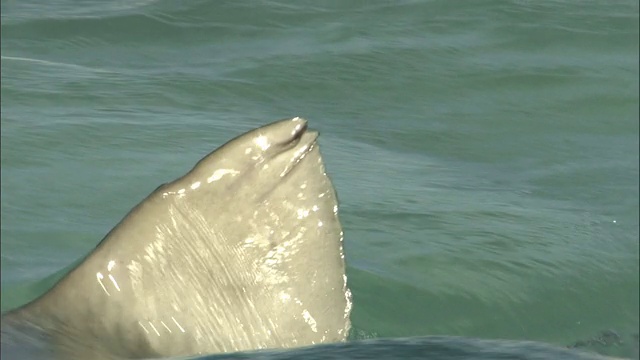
[[485, 152]]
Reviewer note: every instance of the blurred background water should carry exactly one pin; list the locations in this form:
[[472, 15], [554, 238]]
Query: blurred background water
[[485, 152]]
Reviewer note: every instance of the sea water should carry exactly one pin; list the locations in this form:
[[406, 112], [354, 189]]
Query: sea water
[[485, 152]]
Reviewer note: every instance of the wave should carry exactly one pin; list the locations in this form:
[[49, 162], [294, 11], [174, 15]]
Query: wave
[[53, 63]]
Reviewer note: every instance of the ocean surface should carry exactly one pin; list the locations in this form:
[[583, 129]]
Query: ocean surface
[[485, 152]]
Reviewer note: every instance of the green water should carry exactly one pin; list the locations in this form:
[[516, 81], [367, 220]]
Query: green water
[[485, 152]]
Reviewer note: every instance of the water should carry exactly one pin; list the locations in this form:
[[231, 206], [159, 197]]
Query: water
[[485, 153]]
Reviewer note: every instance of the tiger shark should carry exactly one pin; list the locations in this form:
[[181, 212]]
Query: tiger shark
[[243, 252]]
